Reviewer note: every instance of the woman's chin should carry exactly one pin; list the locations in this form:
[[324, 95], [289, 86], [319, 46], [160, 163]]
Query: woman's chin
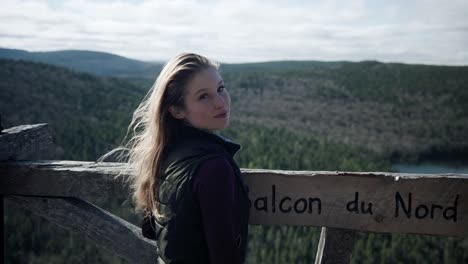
[[222, 125]]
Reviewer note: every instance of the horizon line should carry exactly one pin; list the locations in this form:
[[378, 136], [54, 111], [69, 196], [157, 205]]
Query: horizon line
[[252, 62]]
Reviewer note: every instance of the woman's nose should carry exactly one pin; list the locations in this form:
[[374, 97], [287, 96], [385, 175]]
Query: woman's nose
[[219, 101]]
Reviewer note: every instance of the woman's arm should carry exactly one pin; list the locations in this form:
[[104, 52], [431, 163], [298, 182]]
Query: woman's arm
[[216, 189]]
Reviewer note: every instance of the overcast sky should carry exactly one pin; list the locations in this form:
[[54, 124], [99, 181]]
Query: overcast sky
[[415, 31]]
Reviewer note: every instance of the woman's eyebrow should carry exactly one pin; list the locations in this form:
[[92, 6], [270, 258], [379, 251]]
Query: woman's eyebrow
[[201, 90]]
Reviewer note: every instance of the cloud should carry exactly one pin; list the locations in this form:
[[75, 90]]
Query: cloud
[[422, 31]]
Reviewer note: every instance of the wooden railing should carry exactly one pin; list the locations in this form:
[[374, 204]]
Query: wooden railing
[[339, 202]]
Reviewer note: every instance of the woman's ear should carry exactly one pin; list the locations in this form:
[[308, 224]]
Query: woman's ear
[[176, 112]]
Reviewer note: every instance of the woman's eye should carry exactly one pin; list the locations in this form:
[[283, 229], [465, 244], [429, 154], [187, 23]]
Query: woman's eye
[[221, 88], [203, 96]]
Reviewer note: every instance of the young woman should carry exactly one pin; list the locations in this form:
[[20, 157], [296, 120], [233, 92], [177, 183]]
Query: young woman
[[186, 180]]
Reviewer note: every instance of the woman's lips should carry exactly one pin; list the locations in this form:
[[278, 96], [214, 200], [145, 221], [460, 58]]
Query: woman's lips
[[223, 115]]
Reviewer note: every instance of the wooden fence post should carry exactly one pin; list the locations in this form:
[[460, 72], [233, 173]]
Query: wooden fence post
[[335, 246], [18, 143]]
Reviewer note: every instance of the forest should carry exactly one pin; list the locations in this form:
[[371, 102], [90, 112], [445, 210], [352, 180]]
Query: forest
[[337, 116]]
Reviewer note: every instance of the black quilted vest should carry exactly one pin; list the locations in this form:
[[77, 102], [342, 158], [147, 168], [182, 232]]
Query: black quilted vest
[[180, 236]]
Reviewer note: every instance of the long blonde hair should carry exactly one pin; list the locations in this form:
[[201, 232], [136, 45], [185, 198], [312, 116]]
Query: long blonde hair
[[152, 127]]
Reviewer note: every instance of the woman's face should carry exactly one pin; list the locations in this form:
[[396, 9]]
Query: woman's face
[[207, 102]]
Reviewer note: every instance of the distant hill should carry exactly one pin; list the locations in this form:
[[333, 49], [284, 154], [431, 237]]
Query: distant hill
[[98, 63], [281, 66], [107, 64]]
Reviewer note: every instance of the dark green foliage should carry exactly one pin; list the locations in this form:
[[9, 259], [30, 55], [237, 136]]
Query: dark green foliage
[[282, 121], [280, 66], [76, 105], [296, 151], [406, 248], [391, 82]]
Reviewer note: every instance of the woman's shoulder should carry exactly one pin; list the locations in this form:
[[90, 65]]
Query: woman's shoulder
[[194, 147], [191, 139], [189, 153], [215, 164], [214, 171]]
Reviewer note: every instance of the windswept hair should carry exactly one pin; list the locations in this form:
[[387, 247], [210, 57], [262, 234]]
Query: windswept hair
[[152, 128]]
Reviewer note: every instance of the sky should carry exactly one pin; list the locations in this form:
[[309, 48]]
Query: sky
[[415, 31]]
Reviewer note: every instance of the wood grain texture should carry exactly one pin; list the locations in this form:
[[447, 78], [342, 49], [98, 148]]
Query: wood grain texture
[[106, 230], [63, 178], [24, 142]]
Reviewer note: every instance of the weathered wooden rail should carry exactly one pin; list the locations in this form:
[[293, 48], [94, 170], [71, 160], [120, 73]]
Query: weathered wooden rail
[[340, 202]]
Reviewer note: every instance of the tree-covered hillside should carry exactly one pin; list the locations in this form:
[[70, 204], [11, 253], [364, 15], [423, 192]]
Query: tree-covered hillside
[[402, 111], [283, 120], [86, 112]]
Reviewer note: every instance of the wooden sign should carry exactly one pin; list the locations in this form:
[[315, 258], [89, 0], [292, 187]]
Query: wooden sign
[[380, 202], [377, 201]]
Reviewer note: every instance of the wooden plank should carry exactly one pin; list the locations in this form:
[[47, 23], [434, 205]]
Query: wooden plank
[[62, 178], [24, 142], [377, 202], [335, 246], [106, 230]]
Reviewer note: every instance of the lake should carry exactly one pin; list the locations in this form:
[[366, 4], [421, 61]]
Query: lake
[[433, 167]]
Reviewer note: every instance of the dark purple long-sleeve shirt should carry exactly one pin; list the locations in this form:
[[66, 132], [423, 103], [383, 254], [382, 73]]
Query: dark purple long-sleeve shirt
[[217, 191]]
